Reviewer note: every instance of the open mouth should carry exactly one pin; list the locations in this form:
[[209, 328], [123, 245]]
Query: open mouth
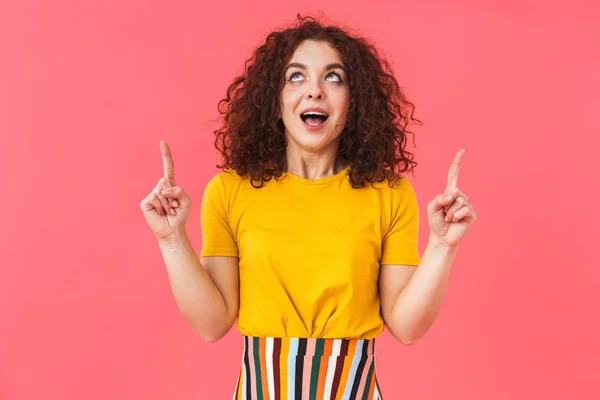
[[314, 118]]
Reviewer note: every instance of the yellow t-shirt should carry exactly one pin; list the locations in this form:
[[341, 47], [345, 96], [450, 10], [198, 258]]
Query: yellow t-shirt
[[310, 250]]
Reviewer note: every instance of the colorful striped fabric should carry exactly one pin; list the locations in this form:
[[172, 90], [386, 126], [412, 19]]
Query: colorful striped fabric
[[307, 369]]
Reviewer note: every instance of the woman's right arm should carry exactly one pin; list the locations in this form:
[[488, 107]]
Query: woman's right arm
[[206, 292]]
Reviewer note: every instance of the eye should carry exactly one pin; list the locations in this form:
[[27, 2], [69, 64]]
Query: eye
[[336, 75], [295, 74]]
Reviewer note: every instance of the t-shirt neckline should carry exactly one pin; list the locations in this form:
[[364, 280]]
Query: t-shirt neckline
[[320, 181]]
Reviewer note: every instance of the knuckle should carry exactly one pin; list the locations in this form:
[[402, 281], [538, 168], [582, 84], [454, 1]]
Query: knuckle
[[163, 183]]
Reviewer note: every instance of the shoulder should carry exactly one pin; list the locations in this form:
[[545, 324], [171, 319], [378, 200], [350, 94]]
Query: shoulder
[[399, 197], [221, 183], [228, 184], [225, 179], [398, 185]]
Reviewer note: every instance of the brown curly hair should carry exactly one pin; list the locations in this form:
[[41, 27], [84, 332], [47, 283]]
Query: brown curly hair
[[252, 140]]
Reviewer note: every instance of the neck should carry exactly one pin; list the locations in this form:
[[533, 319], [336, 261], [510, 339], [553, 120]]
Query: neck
[[314, 166]]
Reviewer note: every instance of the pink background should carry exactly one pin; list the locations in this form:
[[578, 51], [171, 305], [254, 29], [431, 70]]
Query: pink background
[[89, 88]]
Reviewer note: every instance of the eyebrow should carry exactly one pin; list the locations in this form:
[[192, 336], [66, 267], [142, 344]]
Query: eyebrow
[[302, 66]]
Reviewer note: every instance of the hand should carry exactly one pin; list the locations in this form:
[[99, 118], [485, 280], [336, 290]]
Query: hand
[[450, 214], [167, 207]]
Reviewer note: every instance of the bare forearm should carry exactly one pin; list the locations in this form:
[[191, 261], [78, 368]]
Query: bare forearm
[[419, 303], [197, 297]]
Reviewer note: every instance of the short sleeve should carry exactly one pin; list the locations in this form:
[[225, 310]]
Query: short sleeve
[[217, 236], [400, 244]]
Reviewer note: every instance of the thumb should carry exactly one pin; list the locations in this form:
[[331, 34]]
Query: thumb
[[438, 203], [177, 194]]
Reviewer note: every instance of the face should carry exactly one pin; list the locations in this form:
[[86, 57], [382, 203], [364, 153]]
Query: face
[[315, 98]]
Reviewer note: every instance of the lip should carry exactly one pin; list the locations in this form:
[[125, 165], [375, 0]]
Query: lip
[[311, 127], [315, 109]]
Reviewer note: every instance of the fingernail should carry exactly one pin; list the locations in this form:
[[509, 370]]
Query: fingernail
[[449, 197], [164, 192], [175, 203], [172, 211]]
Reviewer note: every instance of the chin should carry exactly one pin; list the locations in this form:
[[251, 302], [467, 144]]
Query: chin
[[315, 141]]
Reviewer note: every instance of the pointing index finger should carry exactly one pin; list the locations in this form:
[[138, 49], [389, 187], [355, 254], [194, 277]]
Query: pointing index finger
[[168, 167], [454, 170]]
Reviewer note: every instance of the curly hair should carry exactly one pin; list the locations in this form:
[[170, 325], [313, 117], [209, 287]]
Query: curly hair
[[251, 138]]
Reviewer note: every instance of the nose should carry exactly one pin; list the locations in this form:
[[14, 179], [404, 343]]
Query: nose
[[315, 91]]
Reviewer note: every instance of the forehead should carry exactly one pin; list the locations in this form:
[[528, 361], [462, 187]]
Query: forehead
[[313, 53]]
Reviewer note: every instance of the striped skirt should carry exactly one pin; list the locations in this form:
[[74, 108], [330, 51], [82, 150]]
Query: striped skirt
[[307, 369]]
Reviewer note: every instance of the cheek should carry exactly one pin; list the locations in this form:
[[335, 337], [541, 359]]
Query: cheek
[[289, 100], [342, 100]]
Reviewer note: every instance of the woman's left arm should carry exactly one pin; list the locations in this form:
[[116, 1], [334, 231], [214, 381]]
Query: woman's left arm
[[411, 297]]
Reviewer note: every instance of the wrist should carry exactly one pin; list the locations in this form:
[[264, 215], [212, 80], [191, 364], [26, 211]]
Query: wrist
[[175, 239], [440, 245]]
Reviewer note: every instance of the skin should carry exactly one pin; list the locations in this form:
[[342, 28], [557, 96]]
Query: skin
[[311, 81], [206, 290], [411, 297]]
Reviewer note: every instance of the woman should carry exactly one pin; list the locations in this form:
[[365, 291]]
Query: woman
[[310, 232]]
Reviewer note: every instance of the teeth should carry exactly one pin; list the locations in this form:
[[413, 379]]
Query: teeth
[[315, 113]]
